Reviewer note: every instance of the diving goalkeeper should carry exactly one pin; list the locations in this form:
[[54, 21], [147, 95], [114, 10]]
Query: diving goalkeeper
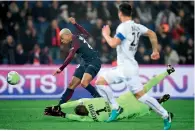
[[97, 109]]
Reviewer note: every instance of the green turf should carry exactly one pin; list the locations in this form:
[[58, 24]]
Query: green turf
[[21, 114]]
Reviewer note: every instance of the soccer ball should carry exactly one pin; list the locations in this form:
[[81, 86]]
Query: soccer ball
[[13, 78]]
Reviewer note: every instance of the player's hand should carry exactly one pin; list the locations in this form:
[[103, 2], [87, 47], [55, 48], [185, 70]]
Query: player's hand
[[58, 71], [155, 55], [106, 30], [54, 111], [72, 20], [58, 114]]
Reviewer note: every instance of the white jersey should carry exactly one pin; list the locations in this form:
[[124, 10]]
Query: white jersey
[[127, 71], [129, 33]]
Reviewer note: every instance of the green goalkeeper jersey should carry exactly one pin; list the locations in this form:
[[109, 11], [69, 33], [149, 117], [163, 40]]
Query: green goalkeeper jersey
[[99, 109]]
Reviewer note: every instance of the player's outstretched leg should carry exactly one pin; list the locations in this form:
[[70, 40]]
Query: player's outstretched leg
[[85, 82], [153, 103], [158, 78], [70, 90], [107, 94], [167, 121], [170, 69], [163, 99], [91, 89], [114, 114]]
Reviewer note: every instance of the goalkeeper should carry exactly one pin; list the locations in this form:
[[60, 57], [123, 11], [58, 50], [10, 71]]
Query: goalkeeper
[[97, 109]]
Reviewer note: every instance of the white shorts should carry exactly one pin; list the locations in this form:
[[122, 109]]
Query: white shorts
[[114, 76]]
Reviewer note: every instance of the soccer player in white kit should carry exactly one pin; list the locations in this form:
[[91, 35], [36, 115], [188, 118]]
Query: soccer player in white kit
[[127, 70]]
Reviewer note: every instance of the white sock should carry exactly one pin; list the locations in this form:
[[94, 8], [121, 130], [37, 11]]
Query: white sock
[[107, 94], [153, 103]]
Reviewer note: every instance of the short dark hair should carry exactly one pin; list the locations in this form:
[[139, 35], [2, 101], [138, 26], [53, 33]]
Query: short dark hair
[[125, 8], [81, 110]]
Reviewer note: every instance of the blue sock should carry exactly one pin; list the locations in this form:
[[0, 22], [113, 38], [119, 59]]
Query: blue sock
[[92, 90], [66, 96]]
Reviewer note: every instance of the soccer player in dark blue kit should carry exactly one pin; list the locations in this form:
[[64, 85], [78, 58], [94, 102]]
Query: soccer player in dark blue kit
[[87, 69]]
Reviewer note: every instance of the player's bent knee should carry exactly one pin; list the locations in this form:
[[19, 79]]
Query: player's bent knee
[[143, 98], [84, 83], [73, 85], [100, 81]]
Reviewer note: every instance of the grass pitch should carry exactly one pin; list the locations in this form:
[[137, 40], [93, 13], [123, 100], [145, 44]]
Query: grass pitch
[[28, 114]]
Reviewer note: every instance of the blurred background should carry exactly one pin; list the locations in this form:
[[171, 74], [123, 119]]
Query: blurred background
[[29, 30], [30, 45], [29, 42]]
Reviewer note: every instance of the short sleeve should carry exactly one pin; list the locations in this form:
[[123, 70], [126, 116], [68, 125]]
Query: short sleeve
[[120, 32], [143, 29]]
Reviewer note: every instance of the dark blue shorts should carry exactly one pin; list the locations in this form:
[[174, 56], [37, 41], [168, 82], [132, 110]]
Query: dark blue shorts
[[91, 68]]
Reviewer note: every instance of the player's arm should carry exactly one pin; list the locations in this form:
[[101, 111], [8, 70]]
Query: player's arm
[[57, 109], [154, 41], [69, 58], [78, 118], [79, 27], [112, 41]]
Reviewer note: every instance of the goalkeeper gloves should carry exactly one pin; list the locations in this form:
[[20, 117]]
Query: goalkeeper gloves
[[54, 111]]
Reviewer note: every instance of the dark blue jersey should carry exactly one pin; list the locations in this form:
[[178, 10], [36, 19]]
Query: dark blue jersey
[[81, 47], [85, 51]]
